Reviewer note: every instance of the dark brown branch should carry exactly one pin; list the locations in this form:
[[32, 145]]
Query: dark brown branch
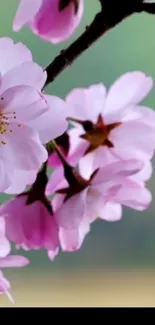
[[112, 13]]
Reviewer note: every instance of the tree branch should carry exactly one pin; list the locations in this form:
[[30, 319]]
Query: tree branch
[[112, 13]]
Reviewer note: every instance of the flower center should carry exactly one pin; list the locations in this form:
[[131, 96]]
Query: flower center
[[97, 134]]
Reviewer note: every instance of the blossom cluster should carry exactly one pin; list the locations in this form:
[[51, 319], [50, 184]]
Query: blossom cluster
[[97, 143]]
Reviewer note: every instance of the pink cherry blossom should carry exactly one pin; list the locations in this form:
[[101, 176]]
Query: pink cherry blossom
[[31, 225], [53, 20], [28, 119], [106, 191], [8, 262], [112, 125]]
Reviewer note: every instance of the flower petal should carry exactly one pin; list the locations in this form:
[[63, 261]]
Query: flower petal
[[133, 139], [72, 211], [71, 240], [13, 261], [5, 246], [86, 104], [54, 119], [23, 140], [27, 73], [13, 100], [54, 25], [111, 212], [19, 180], [117, 169], [133, 195], [19, 54], [131, 88], [25, 13], [53, 253], [56, 181]]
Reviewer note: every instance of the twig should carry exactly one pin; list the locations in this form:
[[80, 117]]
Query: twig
[[112, 13]]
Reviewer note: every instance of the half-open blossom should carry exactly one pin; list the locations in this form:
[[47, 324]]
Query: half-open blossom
[[112, 125], [10, 261], [28, 119], [30, 222], [81, 198], [31, 226], [53, 20]]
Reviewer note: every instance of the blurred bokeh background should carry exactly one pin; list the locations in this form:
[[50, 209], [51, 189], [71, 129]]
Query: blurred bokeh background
[[116, 264]]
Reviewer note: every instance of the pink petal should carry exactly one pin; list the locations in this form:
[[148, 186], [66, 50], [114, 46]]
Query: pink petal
[[25, 13], [144, 174], [27, 73], [133, 139], [86, 104], [4, 287], [5, 175], [54, 25], [5, 246], [111, 212], [56, 181], [54, 119], [97, 201], [101, 157], [57, 201], [77, 147], [53, 253], [133, 195], [13, 261], [117, 169], [13, 100], [127, 114], [72, 211], [45, 229], [131, 88], [19, 180], [19, 54], [23, 139], [71, 240], [14, 229], [147, 115]]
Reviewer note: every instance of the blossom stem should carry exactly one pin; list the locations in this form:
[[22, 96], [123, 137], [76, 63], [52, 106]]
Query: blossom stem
[[112, 13], [71, 175]]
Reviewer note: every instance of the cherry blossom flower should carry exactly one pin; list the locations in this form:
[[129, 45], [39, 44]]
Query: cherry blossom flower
[[106, 190], [28, 119], [30, 222], [53, 20], [113, 125]]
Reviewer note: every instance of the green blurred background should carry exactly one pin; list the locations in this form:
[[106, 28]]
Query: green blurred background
[[116, 264]]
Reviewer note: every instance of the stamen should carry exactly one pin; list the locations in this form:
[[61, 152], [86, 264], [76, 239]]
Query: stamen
[[5, 122]]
